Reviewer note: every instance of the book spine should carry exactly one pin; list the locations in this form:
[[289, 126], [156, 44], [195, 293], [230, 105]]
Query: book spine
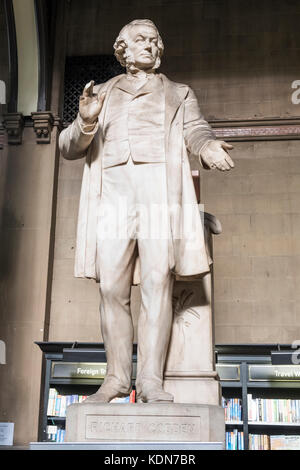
[[57, 405], [259, 409], [249, 405], [52, 402], [50, 399], [62, 411], [132, 397]]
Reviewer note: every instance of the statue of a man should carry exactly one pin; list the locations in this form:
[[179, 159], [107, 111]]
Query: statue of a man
[[137, 131]]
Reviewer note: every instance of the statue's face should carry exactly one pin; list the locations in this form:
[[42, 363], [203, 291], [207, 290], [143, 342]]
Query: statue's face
[[142, 46]]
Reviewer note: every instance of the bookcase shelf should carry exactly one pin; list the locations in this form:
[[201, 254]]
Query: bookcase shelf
[[261, 379], [234, 423], [79, 368], [60, 419], [281, 424]]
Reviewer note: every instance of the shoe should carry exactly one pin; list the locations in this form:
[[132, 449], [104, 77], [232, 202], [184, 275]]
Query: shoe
[[105, 394], [154, 395]]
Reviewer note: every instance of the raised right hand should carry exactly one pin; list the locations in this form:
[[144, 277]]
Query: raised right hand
[[90, 104]]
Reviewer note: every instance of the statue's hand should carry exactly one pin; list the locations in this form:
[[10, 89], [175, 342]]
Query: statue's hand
[[90, 104], [215, 155]]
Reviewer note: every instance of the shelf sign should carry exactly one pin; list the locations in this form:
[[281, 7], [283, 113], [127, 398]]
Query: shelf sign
[[78, 370], [288, 373], [228, 372]]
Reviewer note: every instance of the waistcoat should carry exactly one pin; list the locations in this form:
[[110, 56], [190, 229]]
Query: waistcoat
[[134, 123]]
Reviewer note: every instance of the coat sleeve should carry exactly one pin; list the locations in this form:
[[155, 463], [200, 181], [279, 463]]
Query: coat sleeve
[[197, 132], [76, 138]]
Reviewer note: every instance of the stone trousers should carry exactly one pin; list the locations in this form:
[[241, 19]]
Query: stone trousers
[[133, 221]]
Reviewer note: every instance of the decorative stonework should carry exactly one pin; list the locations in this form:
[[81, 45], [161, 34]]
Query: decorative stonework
[[58, 123], [43, 124], [14, 124], [263, 129]]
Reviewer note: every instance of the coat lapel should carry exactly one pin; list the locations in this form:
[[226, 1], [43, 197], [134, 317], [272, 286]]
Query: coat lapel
[[174, 96], [106, 87]]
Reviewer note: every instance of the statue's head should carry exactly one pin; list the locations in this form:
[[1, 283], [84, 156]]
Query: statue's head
[[139, 46]]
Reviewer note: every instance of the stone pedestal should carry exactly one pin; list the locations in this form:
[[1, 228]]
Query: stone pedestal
[[134, 422], [190, 373], [190, 367]]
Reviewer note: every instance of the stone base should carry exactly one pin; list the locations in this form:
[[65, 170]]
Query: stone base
[[194, 390], [154, 422], [128, 446]]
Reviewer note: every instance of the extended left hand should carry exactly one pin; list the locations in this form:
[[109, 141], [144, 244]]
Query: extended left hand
[[215, 155]]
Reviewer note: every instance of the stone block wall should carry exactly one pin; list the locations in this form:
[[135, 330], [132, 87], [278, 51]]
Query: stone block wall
[[256, 258], [241, 63]]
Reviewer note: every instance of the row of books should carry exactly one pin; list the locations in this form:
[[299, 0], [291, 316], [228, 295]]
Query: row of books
[[129, 399], [55, 434], [233, 409], [259, 442], [273, 410], [265, 442], [234, 440], [57, 404]]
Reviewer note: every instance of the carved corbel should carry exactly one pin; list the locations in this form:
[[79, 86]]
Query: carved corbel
[[14, 124], [43, 122]]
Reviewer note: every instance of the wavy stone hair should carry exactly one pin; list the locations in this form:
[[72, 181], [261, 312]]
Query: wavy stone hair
[[120, 45]]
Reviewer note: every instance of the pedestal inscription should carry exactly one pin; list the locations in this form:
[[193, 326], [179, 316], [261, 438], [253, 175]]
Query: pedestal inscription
[[144, 422], [170, 428]]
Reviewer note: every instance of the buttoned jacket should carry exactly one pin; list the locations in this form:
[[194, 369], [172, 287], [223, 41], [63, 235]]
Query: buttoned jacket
[[186, 134]]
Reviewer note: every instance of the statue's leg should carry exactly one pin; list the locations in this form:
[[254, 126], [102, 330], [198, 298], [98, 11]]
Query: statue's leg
[[116, 271], [116, 254], [155, 321]]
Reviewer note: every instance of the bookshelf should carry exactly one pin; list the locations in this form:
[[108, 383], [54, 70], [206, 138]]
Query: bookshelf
[[272, 390], [73, 370], [248, 379]]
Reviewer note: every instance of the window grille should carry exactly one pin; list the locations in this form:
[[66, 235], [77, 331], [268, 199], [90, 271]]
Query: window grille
[[78, 72]]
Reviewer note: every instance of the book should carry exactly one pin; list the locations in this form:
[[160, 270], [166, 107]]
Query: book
[[273, 410], [285, 442], [57, 404], [233, 409], [234, 440], [259, 442], [129, 399]]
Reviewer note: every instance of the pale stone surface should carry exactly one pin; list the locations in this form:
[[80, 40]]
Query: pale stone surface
[[190, 369], [25, 257], [141, 117], [87, 422]]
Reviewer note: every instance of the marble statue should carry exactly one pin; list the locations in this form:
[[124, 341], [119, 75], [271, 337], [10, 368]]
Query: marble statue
[[137, 132]]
